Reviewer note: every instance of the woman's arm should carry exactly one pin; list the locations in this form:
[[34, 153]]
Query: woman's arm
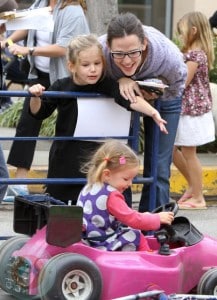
[[129, 89], [48, 50], [111, 87], [142, 106], [16, 36]]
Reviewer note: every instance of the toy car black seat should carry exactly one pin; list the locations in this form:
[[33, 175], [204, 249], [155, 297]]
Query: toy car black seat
[[64, 226], [185, 231], [64, 223]]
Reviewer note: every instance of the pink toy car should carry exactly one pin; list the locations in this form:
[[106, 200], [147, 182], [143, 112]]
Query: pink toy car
[[55, 263]]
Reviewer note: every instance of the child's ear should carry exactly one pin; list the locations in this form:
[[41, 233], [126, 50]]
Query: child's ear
[[70, 66], [194, 30], [106, 175]]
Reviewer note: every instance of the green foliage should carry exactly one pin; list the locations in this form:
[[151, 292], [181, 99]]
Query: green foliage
[[11, 116], [213, 72], [176, 40]]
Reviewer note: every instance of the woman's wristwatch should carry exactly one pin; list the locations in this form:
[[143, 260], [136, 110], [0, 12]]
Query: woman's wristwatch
[[31, 51]]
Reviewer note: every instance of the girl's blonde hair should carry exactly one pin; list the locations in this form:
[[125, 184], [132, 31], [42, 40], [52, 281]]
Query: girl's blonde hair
[[113, 155], [203, 36], [75, 2], [81, 43]]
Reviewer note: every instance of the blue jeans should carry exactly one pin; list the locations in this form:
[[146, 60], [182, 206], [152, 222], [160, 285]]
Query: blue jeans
[[170, 111], [3, 174]]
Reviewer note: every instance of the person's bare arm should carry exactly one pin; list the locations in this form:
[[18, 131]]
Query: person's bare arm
[[16, 36], [129, 89], [35, 101], [142, 106], [48, 50], [192, 68]]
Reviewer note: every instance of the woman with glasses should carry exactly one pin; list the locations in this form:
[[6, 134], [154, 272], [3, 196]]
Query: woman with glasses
[[137, 52]]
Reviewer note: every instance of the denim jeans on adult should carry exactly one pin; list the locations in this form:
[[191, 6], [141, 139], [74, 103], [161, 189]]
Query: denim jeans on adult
[[3, 174], [170, 111]]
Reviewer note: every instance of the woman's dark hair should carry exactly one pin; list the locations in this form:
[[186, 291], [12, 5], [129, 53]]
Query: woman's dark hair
[[125, 24]]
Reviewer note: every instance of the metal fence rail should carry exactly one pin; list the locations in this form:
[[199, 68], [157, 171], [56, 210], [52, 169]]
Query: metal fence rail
[[133, 140]]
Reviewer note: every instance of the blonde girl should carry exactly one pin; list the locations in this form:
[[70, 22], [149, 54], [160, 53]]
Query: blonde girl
[[109, 223], [196, 125]]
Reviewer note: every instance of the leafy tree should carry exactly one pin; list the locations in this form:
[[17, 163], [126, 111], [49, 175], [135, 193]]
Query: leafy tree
[[102, 11]]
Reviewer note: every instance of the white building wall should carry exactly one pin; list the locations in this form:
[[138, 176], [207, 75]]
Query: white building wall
[[181, 7]]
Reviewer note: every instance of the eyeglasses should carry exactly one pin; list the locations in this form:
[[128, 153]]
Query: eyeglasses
[[121, 55]]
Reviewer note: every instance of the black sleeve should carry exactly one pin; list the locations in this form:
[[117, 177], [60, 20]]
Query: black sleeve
[[110, 87]]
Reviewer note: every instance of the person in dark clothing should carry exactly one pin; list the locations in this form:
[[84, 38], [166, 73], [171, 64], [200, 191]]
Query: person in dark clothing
[[45, 50], [6, 57], [86, 64], [213, 20]]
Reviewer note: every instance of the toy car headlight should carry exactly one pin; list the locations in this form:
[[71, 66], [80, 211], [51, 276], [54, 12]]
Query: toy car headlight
[[20, 271]]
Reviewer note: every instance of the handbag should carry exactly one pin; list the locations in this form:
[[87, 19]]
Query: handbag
[[24, 65]]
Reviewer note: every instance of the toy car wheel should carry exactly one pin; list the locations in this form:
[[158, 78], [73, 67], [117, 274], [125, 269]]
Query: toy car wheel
[[208, 283], [9, 241], [172, 206], [6, 251], [203, 279], [70, 276]]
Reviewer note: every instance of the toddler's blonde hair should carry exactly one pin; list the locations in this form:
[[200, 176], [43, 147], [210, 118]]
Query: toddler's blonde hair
[[113, 155]]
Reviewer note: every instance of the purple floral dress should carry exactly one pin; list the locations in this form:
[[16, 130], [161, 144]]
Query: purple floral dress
[[197, 98], [196, 124]]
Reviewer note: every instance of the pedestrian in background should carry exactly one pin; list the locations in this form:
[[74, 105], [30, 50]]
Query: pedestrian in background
[[6, 57], [213, 22], [46, 53], [5, 5], [196, 124]]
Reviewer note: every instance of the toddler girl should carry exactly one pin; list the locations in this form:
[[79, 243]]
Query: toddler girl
[[109, 223]]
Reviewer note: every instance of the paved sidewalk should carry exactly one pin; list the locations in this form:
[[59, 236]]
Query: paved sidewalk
[[177, 182], [203, 220]]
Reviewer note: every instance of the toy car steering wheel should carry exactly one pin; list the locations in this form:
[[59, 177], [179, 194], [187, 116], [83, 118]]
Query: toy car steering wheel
[[166, 232], [173, 207]]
